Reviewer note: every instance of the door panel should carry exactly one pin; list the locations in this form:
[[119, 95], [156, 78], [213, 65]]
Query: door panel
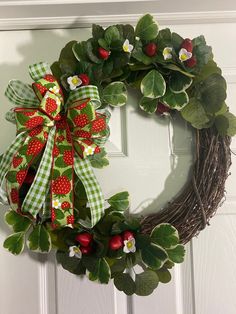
[[150, 157]]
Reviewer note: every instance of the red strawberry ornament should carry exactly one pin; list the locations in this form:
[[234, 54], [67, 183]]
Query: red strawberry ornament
[[70, 220], [103, 53], [127, 235], [115, 242], [84, 78], [84, 238], [162, 109], [150, 49], [187, 44], [191, 63], [61, 185], [86, 250]]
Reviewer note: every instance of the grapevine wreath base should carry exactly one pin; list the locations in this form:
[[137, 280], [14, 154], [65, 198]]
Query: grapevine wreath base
[[46, 174]]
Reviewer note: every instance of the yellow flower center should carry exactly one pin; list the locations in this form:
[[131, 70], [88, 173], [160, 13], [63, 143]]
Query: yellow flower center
[[75, 80], [129, 244], [126, 48], [183, 57], [76, 250]]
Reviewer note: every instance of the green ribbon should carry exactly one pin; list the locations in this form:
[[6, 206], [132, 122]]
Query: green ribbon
[[46, 109]]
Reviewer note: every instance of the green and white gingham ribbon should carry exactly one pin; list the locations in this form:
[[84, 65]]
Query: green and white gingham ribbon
[[86, 175], [38, 70], [21, 94], [6, 161], [84, 92], [38, 191]]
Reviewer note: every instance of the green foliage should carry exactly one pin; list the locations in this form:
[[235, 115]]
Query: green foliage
[[148, 105], [15, 243], [176, 254], [146, 282], [226, 124], [98, 267], [179, 82], [202, 52], [146, 28], [153, 85], [153, 256], [115, 94], [99, 160], [195, 114], [19, 223], [175, 100], [125, 283], [39, 240], [72, 264], [165, 235], [119, 201], [164, 275]]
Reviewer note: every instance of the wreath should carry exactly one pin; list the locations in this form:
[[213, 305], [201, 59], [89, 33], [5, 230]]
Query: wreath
[[46, 174]]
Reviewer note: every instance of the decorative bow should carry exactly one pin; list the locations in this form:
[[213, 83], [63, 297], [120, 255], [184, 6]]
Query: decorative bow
[[57, 137]]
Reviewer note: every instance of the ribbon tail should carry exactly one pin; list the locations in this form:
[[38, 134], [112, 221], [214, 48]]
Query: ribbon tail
[[84, 171], [7, 160], [36, 196]]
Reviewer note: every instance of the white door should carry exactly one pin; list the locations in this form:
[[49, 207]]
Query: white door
[[149, 157]]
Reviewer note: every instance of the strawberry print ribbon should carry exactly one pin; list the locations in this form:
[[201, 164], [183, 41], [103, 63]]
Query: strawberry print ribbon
[[57, 137]]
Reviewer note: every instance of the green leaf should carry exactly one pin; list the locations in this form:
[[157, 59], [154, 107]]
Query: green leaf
[[15, 243], [97, 31], [153, 85], [102, 43], [90, 53], [99, 160], [115, 94], [176, 254], [146, 28], [98, 267], [176, 40], [80, 51], [18, 222], [111, 34], [148, 105], [39, 240], [67, 57], [139, 55], [195, 114], [125, 283], [226, 124], [72, 264], [11, 176], [176, 68], [202, 52], [179, 82], [118, 266], [175, 101], [119, 201], [154, 256], [165, 235], [212, 92], [146, 282], [164, 275]]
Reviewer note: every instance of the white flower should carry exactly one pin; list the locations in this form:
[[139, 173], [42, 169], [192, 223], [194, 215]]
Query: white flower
[[89, 150], [74, 251], [184, 55], [127, 47], [74, 82], [56, 204], [167, 53], [129, 245], [54, 90]]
